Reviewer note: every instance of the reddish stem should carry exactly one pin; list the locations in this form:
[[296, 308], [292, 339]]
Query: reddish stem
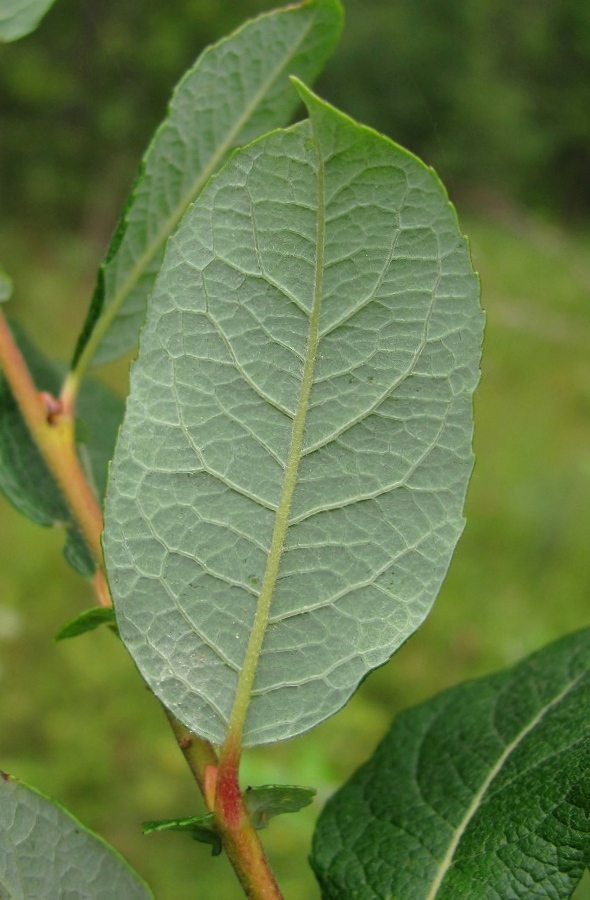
[[240, 839], [51, 423], [52, 430]]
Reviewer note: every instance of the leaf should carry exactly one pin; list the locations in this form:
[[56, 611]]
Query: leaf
[[263, 803], [46, 852], [25, 478], [270, 800], [19, 17], [482, 791], [288, 484], [237, 90], [200, 828], [88, 621]]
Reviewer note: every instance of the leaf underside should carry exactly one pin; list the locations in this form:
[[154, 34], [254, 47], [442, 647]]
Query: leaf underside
[[46, 852], [482, 791], [237, 90], [297, 443]]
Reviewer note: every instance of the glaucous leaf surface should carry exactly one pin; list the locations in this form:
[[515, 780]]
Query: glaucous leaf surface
[[19, 17], [24, 476], [46, 852], [288, 485], [237, 90], [481, 792]]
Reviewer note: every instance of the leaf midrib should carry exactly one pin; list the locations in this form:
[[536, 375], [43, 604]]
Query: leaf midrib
[[281, 525], [112, 307], [473, 807]]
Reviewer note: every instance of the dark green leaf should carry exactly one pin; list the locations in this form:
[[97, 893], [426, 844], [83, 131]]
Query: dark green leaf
[[288, 485], [237, 90], [481, 792], [88, 621], [20, 17], [200, 829], [46, 853]]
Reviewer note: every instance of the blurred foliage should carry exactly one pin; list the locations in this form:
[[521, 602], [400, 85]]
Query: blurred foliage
[[91, 84], [487, 91]]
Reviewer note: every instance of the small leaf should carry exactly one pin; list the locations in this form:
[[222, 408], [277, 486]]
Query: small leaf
[[19, 17], [5, 286], [483, 791], [88, 621], [262, 803], [287, 488], [269, 800], [200, 828], [46, 852], [237, 90]]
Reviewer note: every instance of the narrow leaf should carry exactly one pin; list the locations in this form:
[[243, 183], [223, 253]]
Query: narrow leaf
[[288, 485], [19, 17], [237, 90], [483, 791], [25, 478], [87, 621], [200, 828], [46, 852]]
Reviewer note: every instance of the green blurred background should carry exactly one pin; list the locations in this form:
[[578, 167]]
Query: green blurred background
[[494, 95]]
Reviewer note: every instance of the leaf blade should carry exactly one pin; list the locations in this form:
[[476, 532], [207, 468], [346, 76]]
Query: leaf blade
[[298, 431], [45, 851], [491, 791], [208, 118], [87, 621]]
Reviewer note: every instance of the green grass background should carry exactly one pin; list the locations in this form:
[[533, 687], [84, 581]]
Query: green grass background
[[75, 719]]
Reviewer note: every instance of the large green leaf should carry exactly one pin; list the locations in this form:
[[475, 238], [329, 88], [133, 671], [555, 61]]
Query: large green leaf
[[483, 791], [20, 17], [237, 90], [46, 852], [287, 489], [25, 478]]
